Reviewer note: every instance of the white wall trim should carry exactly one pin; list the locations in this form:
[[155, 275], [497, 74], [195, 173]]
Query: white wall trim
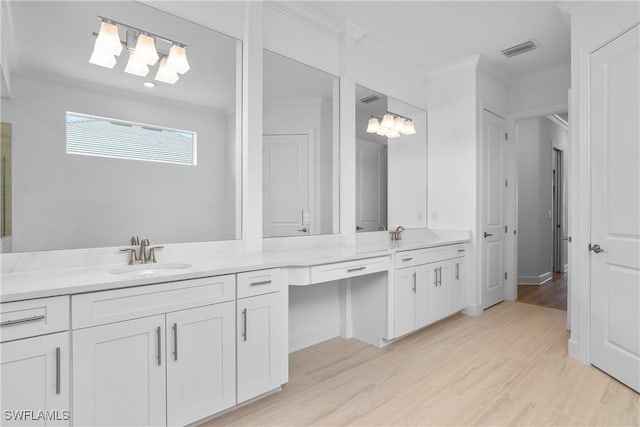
[[473, 310], [308, 16], [535, 280]]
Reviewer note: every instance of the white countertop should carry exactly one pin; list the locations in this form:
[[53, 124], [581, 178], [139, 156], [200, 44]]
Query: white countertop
[[66, 281]]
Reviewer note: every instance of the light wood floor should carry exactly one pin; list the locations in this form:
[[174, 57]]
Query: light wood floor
[[506, 367], [551, 294]]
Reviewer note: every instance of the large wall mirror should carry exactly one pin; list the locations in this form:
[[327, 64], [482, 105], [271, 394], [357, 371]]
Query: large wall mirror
[[300, 149], [391, 163], [108, 132]]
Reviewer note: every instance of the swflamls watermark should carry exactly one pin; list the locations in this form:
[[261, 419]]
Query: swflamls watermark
[[35, 415]]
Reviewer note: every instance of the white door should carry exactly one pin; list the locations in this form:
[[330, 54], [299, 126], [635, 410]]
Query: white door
[[35, 376], [615, 208], [405, 301], [371, 186], [201, 362], [492, 234], [426, 281], [286, 186], [119, 374], [259, 337]]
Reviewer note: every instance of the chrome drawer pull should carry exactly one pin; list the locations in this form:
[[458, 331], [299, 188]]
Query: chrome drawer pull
[[175, 341], [406, 259], [57, 370], [24, 320], [159, 355], [244, 325], [264, 282], [461, 250], [351, 270]]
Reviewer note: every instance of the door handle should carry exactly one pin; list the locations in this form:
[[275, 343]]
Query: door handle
[[304, 230], [487, 234], [358, 228], [159, 345], [595, 248]]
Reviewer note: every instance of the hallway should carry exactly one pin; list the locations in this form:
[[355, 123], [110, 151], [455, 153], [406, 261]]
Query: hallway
[[552, 294]]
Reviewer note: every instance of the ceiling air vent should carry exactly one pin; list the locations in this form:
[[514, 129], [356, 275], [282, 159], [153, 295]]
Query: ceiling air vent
[[519, 49], [369, 99]]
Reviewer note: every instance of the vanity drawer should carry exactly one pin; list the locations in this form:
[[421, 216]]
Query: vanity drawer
[[405, 259], [441, 253], [22, 319], [260, 282], [99, 308], [343, 270]]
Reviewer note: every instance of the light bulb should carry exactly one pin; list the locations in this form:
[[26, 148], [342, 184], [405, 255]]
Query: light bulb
[[373, 125], [387, 120], [382, 131], [146, 49], [409, 128], [178, 59], [136, 66], [165, 73], [393, 134], [398, 124]]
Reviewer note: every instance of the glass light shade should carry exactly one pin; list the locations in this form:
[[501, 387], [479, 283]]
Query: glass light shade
[[108, 39], [382, 131], [102, 58], [146, 49], [393, 134], [165, 73], [136, 66], [178, 59], [398, 124], [409, 128], [373, 125], [387, 121]]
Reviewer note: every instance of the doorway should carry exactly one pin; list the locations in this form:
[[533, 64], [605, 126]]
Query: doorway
[[557, 211]]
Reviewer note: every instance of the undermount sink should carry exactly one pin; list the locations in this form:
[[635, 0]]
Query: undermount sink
[[150, 269]]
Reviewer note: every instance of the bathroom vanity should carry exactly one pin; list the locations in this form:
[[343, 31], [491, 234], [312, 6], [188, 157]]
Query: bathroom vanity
[[173, 346]]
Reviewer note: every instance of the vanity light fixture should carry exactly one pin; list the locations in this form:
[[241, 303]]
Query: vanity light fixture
[[143, 52], [392, 125]]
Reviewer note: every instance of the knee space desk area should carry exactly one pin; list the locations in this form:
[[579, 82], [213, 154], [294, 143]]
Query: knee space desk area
[[180, 346]]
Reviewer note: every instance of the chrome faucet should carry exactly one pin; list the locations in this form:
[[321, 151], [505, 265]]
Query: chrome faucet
[[145, 253], [397, 233]]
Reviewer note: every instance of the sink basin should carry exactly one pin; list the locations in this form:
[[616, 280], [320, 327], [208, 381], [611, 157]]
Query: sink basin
[[150, 269]]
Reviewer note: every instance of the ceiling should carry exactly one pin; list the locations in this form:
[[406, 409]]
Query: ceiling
[[62, 42], [433, 34]]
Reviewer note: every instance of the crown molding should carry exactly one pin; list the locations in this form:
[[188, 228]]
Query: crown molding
[[309, 16]]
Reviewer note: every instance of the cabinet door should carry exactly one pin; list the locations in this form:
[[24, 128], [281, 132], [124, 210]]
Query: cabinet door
[[201, 362], [405, 301], [260, 345], [119, 373], [35, 377], [426, 280], [458, 301], [441, 292]]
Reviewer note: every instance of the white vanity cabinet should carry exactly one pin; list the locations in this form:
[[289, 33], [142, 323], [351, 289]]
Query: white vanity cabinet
[[35, 361], [173, 366], [262, 333], [431, 288]]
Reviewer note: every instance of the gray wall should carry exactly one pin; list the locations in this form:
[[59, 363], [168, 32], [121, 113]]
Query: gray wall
[[68, 201]]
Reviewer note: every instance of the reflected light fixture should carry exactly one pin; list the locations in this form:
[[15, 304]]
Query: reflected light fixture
[[144, 51], [391, 125]]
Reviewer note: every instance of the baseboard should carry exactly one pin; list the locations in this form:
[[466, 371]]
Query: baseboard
[[313, 336], [575, 351], [535, 280], [566, 268], [473, 310]]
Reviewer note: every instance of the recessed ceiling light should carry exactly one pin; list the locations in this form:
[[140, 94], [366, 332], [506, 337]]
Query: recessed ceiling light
[[149, 84]]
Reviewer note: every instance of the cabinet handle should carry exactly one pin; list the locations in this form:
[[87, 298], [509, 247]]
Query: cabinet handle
[[414, 282], [175, 341], [406, 259], [351, 270], [244, 324], [435, 271], [440, 276], [159, 345], [57, 370], [457, 271], [23, 320], [264, 282], [461, 250]]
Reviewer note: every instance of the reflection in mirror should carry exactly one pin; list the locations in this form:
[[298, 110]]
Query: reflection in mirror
[[300, 149], [371, 163], [391, 163], [108, 140]]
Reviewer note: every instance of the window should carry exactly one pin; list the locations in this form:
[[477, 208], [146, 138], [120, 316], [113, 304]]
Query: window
[[103, 137]]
